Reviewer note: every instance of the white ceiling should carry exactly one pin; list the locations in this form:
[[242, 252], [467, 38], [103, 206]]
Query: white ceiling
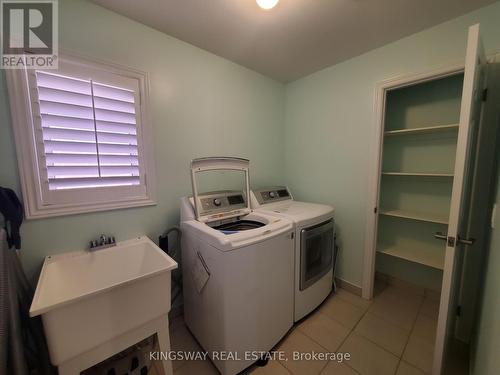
[[297, 37]]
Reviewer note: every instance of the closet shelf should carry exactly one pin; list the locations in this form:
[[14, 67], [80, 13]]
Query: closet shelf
[[415, 216], [427, 256], [425, 130], [418, 174]]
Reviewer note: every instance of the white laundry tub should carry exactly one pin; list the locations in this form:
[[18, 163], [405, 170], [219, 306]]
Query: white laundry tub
[[91, 301]]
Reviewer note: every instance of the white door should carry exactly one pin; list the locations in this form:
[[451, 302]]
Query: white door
[[456, 240], [480, 211]]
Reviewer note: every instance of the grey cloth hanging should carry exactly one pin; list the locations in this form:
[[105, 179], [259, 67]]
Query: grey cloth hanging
[[23, 350]]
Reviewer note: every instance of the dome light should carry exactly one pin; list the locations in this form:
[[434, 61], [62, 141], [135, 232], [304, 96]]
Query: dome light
[[267, 4]]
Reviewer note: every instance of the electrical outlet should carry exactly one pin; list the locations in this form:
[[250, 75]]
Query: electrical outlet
[[493, 215]]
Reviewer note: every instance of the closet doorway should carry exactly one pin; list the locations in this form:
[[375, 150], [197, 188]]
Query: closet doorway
[[418, 228]]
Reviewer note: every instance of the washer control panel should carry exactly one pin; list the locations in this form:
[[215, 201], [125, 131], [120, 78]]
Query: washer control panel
[[275, 194], [221, 201]]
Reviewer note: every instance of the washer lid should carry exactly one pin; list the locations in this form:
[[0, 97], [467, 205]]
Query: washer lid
[[220, 205]]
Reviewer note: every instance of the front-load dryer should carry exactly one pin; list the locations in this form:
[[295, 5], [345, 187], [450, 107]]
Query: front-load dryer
[[238, 271], [315, 252]]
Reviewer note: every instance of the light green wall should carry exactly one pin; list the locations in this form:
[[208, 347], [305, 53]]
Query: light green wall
[[330, 122], [201, 105]]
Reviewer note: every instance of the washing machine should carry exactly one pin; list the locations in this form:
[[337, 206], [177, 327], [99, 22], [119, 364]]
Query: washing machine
[[238, 271], [315, 250]]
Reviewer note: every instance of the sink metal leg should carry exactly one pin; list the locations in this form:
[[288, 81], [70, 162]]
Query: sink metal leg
[[164, 345]]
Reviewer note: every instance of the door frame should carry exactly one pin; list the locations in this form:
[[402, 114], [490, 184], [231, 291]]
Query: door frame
[[381, 90]]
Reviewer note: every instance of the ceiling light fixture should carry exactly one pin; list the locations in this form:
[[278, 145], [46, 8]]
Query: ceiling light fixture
[[267, 4]]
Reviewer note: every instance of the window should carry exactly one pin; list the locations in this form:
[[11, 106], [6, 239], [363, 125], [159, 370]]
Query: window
[[82, 138]]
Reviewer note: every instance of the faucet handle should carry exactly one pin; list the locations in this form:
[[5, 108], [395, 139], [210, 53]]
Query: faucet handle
[[103, 239]]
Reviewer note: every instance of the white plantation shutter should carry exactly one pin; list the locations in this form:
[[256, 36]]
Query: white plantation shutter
[[82, 138], [89, 133]]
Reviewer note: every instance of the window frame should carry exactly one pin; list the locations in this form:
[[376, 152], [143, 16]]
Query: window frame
[[40, 202]]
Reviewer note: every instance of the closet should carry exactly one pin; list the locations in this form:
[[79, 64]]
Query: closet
[[418, 159], [420, 224]]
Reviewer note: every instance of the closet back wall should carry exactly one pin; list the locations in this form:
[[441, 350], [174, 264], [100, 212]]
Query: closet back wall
[[201, 105], [330, 123]]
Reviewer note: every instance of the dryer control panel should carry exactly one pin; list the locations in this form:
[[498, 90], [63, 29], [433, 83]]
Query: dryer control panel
[[274, 194]]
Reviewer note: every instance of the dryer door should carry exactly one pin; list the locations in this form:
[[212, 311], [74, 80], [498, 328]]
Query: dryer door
[[316, 252]]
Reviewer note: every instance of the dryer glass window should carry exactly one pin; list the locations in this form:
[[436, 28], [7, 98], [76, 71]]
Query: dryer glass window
[[316, 253]]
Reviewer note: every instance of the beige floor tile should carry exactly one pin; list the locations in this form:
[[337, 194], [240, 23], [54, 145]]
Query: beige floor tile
[[353, 299], [419, 353], [383, 333], [197, 367], [409, 300], [397, 309], [335, 368], [407, 369], [433, 294], [182, 340], [272, 368], [368, 358], [177, 322], [324, 330], [343, 312], [299, 343], [403, 295], [405, 288], [430, 307], [425, 328]]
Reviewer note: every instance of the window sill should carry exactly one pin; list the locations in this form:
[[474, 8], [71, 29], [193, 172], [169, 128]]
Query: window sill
[[52, 211]]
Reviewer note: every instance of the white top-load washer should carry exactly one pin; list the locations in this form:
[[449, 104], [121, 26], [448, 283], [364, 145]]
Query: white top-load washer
[[238, 271], [314, 244]]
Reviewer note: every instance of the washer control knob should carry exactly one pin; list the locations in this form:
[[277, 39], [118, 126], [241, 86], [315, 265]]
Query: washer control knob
[[273, 194], [217, 202]]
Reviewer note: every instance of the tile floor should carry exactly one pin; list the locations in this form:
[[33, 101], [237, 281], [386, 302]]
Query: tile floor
[[391, 335]]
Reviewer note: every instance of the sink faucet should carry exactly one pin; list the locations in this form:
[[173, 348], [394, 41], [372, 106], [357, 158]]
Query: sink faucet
[[102, 243]]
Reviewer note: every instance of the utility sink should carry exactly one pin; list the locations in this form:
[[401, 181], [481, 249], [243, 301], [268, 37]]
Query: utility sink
[[92, 299]]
